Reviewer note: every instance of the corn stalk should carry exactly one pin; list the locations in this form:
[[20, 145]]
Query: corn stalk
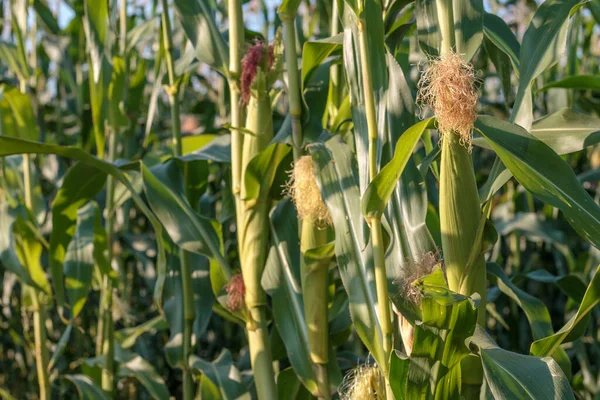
[[189, 314], [460, 215], [375, 224]]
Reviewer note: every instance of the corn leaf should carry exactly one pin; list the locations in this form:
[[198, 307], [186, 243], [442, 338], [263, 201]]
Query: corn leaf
[[543, 173], [79, 259], [510, 375], [548, 345], [199, 26], [379, 191], [535, 310], [335, 177], [281, 280], [222, 374], [10, 146]]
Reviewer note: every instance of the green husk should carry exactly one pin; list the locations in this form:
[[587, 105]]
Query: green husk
[[459, 219], [315, 282], [254, 240]]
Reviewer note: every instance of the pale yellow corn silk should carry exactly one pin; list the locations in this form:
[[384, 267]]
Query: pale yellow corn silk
[[366, 382], [306, 195], [416, 269], [449, 86]]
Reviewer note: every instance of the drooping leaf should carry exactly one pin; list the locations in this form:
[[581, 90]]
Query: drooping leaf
[[190, 231], [510, 375], [10, 146], [543, 173], [548, 345], [579, 82], [535, 310]]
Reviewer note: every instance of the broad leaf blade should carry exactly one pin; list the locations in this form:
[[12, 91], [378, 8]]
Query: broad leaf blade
[[544, 173]]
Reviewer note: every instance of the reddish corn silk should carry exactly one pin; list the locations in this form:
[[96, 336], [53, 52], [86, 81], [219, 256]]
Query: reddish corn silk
[[236, 289], [257, 55]]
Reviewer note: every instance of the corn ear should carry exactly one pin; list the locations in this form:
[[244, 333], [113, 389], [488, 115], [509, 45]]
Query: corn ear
[[460, 214], [254, 240]]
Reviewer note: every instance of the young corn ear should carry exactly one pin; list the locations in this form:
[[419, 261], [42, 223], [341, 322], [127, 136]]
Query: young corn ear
[[315, 282], [460, 214], [255, 215]]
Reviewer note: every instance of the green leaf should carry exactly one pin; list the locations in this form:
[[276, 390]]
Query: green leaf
[[567, 131], [447, 321], [43, 11], [535, 310], [164, 189], [79, 259], [10, 146], [510, 375], [500, 34], [379, 191], [315, 52], [8, 251], [379, 77], [547, 345], [281, 280], [501, 62], [9, 55], [544, 173], [199, 26], [128, 336], [81, 183], [333, 171], [60, 347], [543, 44], [289, 387], [579, 82], [173, 299], [261, 170], [16, 115], [133, 365], [222, 373], [86, 388]]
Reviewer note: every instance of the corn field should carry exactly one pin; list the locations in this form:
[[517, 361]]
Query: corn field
[[336, 199]]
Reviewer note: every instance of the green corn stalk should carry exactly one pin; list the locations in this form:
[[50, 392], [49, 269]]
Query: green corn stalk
[[189, 313], [39, 312], [314, 277], [254, 241], [460, 215], [236, 41], [335, 71], [375, 224]]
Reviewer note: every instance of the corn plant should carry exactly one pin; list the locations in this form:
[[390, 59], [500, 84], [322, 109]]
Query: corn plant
[[353, 199]]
